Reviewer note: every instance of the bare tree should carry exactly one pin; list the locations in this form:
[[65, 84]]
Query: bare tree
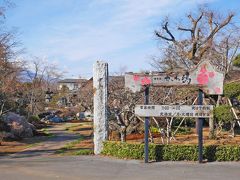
[[200, 36], [203, 36], [227, 49], [121, 107], [40, 77], [85, 96], [9, 67]]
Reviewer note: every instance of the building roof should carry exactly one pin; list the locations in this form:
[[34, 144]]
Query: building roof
[[112, 79], [115, 78], [72, 81]]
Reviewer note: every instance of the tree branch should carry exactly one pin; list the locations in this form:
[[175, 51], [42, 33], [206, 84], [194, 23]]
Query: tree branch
[[165, 27], [217, 28]]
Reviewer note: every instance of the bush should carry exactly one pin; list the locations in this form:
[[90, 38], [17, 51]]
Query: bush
[[180, 152], [228, 153], [232, 89], [190, 122], [183, 130], [236, 61], [223, 113], [238, 98], [154, 129], [123, 150], [33, 119], [83, 152], [171, 152]]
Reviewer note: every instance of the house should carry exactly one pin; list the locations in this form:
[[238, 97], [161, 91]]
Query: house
[[112, 80], [87, 91], [71, 84]]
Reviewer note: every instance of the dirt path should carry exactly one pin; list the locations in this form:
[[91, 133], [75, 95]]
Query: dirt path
[[60, 137]]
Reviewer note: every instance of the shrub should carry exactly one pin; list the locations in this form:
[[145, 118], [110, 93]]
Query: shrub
[[209, 152], [123, 150], [83, 152], [223, 113], [228, 153], [190, 122], [236, 61], [171, 152], [238, 98], [33, 119], [232, 89], [154, 129], [180, 152], [183, 130]]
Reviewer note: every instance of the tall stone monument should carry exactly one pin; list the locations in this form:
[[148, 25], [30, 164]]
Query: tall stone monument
[[100, 89]]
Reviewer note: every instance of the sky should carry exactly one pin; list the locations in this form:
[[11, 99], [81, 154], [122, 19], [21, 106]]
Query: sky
[[73, 34]]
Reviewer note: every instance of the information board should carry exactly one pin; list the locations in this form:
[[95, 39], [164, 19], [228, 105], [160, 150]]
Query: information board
[[197, 111]]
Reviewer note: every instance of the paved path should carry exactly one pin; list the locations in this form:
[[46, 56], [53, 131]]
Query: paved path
[[60, 137], [39, 163], [97, 168]]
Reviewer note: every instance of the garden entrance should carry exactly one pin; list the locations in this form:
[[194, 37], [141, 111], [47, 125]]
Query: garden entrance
[[205, 76], [204, 80]]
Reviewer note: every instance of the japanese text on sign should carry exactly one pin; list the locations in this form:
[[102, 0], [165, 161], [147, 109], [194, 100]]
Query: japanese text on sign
[[198, 111], [205, 75]]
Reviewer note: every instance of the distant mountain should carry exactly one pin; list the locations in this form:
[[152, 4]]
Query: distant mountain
[[27, 76]]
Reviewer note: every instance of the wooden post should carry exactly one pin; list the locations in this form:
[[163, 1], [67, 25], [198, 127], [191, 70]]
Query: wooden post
[[100, 88]]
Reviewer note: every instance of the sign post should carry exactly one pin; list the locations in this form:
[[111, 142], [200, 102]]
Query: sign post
[[200, 129], [206, 76], [198, 111], [146, 125]]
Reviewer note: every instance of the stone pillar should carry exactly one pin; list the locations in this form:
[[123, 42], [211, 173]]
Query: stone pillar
[[100, 89]]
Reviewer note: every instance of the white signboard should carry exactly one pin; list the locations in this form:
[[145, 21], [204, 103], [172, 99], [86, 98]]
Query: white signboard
[[198, 111], [205, 75]]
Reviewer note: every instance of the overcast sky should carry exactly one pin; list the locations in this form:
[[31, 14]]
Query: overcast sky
[[73, 34]]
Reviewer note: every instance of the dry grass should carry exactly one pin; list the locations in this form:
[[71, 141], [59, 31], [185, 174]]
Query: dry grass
[[192, 138], [11, 147], [7, 148]]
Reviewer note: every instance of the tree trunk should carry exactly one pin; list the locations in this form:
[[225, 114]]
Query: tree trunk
[[212, 134], [161, 131], [219, 128], [211, 129], [232, 128], [151, 136], [123, 133], [169, 130]]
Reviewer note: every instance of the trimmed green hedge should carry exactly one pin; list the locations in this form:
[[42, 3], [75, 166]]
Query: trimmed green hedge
[[171, 152], [228, 153]]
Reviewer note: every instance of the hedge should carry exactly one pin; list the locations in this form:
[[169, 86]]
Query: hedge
[[171, 152]]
